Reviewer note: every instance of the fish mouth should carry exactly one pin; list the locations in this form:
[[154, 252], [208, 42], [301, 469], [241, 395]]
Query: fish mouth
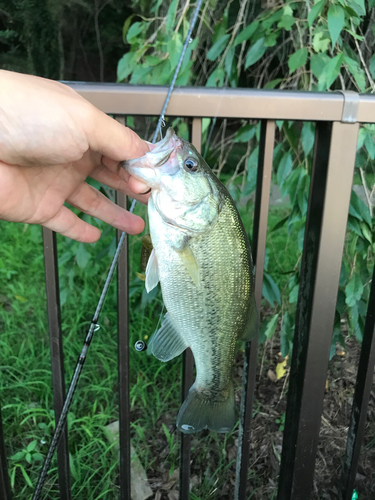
[[165, 149], [158, 155], [162, 159]]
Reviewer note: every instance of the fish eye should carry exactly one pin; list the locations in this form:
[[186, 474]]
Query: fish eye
[[191, 164]]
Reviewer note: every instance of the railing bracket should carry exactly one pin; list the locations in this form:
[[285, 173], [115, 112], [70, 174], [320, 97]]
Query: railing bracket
[[350, 107]]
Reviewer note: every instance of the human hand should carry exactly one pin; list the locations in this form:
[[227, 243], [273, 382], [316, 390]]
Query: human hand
[[51, 140]]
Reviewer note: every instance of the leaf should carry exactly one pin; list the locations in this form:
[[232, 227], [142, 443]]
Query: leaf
[[286, 22], [139, 74], [20, 298], [273, 83], [271, 39], [245, 133], [281, 369], [318, 63], [336, 22], [330, 72], [297, 59], [171, 15], [276, 16], [353, 290], [354, 323], [316, 9], [174, 47], [361, 5], [366, 233], [279, 224], [256, 51], [286, 335], [246, 33], [357, 72], [18, 456], [217, 48], [369, 143], [125, 28], [353, 225], [307, 137], [343, 274], [372, 66], [31, 446], [126, 66], [192, 46], [134, 30], [26, 477], [229, 60], [361, 209], [216, 78], [301, 234], [337, 337], [252, 162], [83, 256], [271, 291], [284, 168], [320, 43], [271, 327], [293, 296]]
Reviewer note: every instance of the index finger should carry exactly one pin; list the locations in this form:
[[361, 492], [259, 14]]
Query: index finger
[[108, 137]]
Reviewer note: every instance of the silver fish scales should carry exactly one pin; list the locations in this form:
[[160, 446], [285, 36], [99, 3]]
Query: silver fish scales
[[202, 259]]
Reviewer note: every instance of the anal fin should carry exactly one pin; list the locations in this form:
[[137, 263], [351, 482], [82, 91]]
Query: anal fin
[[166, 343]]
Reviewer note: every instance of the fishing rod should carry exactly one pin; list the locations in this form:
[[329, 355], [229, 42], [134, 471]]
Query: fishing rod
[[94, 326]]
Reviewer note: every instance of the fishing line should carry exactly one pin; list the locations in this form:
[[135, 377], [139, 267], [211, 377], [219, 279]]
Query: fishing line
[[94, 326]]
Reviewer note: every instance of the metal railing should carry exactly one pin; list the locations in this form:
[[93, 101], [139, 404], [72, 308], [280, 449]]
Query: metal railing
[[337, 117]]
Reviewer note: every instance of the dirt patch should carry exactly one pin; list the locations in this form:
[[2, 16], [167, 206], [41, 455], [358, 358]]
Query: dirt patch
[[213, 476]]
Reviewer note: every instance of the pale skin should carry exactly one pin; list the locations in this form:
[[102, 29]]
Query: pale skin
[[51, 140]]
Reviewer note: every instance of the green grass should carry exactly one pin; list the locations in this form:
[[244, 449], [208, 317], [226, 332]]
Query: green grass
[[25, 382]]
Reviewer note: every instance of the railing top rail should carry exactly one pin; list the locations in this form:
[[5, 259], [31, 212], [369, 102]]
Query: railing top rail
[[117, 98]]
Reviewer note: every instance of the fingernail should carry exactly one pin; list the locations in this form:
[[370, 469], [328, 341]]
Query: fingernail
[[146, 192]]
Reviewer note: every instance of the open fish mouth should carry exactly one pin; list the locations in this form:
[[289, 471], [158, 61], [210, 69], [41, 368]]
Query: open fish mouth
[[162, 151], [165, 152]]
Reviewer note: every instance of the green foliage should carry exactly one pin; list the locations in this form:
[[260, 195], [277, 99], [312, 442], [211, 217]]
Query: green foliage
[[243, 46]]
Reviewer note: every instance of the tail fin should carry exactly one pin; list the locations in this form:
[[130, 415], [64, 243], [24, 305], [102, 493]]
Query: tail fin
[[198, 412]]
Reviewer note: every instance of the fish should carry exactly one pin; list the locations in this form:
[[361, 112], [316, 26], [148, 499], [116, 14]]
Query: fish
[[202, 258]]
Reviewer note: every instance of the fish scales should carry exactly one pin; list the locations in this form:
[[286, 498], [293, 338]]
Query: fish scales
[[202, 259], [219, 306]]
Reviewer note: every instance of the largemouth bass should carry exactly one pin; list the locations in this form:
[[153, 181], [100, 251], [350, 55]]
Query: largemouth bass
[[201, 256]]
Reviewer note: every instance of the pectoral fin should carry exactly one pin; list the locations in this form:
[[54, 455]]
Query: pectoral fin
[[190, 262], [152, 272], [166, 343]]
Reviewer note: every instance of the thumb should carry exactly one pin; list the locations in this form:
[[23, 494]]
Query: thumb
[[108, 137]]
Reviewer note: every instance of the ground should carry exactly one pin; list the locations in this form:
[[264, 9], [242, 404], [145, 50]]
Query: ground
[[267, 438]]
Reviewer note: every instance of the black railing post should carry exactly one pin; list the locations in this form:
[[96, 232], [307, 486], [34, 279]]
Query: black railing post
[[5, 493], [262, 198], [57, 358], [331, 181], [360, 401]]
